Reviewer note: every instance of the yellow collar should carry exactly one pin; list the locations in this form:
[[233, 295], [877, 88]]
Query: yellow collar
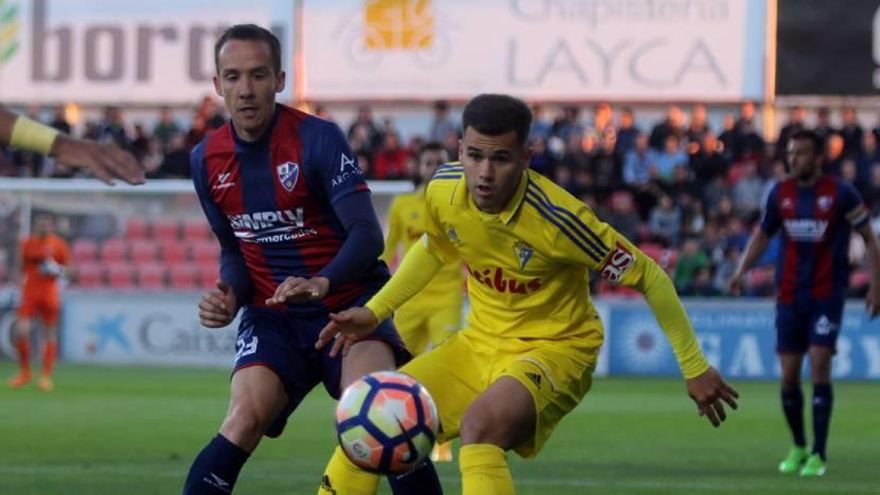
[[462, 198]]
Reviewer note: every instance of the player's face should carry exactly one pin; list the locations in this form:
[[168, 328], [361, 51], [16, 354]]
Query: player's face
[[428, 163], [493, 167], [248, 83], [802, 159], [44, 226]]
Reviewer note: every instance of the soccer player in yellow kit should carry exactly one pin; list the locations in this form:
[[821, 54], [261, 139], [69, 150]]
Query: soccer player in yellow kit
[[528, 351], [431, 316]]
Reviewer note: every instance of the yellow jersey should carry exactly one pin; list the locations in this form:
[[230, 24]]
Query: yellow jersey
[[528, 266], [406, 225]]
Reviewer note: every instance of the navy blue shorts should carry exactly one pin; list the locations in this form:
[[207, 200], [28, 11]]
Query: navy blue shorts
[[286, 345], [801, 325]]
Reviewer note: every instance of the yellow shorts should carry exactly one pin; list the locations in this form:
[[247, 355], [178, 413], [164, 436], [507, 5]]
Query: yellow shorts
[[422, 329], [558, 374]]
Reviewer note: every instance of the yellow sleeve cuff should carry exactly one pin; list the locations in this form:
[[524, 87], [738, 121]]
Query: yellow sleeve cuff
[[672, 318], [32, 136], [415, 271]]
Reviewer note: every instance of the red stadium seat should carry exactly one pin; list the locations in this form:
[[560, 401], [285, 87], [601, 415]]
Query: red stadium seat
[[84, 250], [151, 276], [207, 252], [143, 251], [164, 229], [208, 274], [173, 252], [120, 276], [135, 228], [114, 250], [859, 279], [89, 275], [197, 231], [183, 277]]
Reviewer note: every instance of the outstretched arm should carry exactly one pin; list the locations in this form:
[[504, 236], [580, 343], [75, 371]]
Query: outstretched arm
[[417, 269], [757, 246], [106, 161]]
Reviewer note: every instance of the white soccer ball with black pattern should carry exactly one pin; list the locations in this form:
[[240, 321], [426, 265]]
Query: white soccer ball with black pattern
[[386, 422]]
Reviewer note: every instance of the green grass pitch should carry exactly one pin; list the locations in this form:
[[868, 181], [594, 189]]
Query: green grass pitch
[[132, 431]]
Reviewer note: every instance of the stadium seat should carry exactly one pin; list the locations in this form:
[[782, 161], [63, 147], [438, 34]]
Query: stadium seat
[[197, 231], [120, 276], [135, 228], [164, 229], [89, 275], [859, 279], [183, 277], [173, 252], [143, 251], [208, 274], [151, 276], [206, 251], [114, 250], [652, 250], [84, 250]]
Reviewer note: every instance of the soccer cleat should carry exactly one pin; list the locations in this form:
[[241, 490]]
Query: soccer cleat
[[19, 380], [45, 384], [794, 460], [442, 452], [814, 466]]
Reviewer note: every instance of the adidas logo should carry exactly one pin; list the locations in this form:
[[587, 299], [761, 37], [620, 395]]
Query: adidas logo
[[535, 378], [326, 487]]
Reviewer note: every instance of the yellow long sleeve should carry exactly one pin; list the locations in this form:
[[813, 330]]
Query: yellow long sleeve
[[415, 271], [664, 302]]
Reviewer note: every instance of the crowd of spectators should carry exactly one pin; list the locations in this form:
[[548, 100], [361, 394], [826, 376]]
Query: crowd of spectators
[[687, 192]]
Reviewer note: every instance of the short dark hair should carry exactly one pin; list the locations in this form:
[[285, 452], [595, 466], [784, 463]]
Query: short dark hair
[[431, 146], [495, 114], [249, 32], [807, 135]]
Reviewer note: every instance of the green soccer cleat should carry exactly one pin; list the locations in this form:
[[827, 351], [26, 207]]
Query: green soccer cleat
[[794, 460], [814, 466]]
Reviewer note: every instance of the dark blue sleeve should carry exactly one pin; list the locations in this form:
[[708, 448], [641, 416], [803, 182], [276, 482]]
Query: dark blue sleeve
[[363, 242], [233, 269], [852, 206], [772, 219]]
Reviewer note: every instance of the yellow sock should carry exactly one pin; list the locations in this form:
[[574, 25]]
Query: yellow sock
[[342, 477], [484, 470]]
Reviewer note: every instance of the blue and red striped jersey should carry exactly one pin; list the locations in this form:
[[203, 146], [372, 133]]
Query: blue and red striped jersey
[[274, 206], [816, 224]]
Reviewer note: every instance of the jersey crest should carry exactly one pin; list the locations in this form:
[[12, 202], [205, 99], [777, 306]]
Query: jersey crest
[[523, 253], [288, 173]]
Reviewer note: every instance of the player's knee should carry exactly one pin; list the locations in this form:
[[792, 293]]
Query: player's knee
[[245, 424], [481, 425]]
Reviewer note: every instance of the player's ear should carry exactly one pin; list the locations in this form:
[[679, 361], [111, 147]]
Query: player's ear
[[279, 81], [217, 88]]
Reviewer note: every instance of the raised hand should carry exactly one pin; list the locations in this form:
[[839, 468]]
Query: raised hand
[[346, 328]]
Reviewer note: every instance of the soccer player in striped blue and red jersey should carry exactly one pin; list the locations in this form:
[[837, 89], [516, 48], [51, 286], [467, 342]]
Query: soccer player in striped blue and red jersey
[[816, 214], [299, 238]]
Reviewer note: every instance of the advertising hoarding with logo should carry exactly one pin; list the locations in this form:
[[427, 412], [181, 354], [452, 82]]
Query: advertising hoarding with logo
[[141, 328], [709, 50], [106, 51], [739, 338]]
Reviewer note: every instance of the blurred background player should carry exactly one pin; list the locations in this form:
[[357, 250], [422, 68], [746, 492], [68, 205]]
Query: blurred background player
[[430, 317], [299, 238], [45, 257], [816, 213], [105, 161], [527, 355]]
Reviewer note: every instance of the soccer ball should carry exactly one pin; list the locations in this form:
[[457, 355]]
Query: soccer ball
[[386, 422]]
